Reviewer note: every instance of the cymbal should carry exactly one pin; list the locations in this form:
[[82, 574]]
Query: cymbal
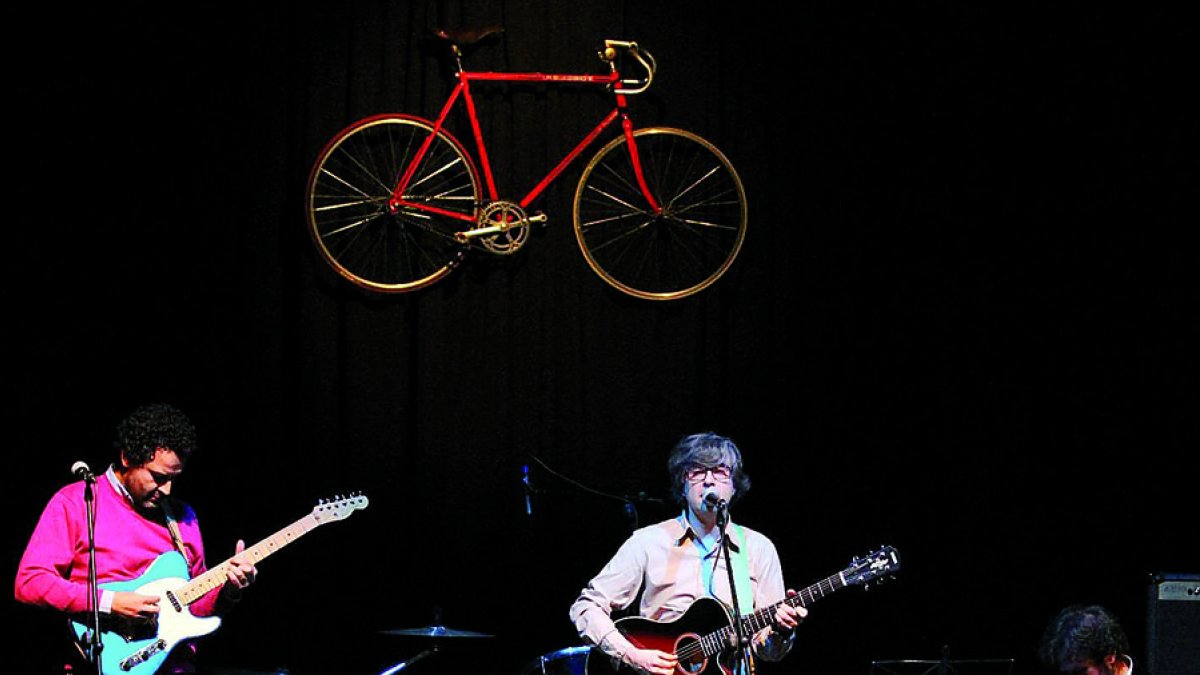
[[435, 631]]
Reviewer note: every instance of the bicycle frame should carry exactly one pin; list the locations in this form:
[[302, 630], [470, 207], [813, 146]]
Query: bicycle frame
[[463, 89], [395, 202]]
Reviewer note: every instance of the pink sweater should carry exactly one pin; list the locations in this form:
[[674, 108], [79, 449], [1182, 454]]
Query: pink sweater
[[53, 571]]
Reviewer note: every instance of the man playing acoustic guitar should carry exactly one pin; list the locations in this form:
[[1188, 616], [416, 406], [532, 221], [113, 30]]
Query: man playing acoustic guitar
[[678, 562], [136, 523]]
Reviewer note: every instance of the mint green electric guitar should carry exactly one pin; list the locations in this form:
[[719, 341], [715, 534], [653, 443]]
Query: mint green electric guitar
[[140, 647]]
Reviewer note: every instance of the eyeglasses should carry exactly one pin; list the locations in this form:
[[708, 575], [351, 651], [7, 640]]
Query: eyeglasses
[[720, 473]]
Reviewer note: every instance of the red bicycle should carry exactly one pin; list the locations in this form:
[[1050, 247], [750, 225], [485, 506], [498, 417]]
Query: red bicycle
[[395, 202]]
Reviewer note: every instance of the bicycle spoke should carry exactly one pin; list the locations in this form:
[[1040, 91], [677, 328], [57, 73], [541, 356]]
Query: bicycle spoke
[[614, 198], [666, 255], [701, 223], [372, 176], [348, 226], [603, 221], [620, 237], [693, 186], [351, 188], [350, 204]]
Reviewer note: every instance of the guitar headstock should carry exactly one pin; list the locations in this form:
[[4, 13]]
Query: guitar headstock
[[875, 566], [339, 508]]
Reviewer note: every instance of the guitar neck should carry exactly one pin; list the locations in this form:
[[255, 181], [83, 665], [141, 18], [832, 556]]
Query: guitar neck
[[216, 576], [752, 623]]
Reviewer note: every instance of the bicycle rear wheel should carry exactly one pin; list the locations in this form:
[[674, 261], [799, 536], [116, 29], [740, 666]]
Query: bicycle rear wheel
[[347, 203], [682, 249]]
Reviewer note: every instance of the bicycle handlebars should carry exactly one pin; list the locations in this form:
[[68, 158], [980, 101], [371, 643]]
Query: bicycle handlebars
[[633, 86]]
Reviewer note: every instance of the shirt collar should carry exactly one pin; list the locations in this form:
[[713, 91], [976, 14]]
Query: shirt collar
[[681, 531], [111, 474]]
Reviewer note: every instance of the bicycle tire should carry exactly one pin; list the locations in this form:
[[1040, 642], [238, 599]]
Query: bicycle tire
[[685, 247], [347, 203]]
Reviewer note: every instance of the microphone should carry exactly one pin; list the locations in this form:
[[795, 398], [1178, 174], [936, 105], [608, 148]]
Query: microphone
[[714, 501], [81, 471], [528, 490]]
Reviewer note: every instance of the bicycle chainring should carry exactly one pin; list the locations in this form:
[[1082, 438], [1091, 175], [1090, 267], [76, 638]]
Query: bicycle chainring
[[512, 219]]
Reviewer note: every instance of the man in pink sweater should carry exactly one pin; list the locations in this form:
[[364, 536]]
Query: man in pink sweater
[[136, 522]]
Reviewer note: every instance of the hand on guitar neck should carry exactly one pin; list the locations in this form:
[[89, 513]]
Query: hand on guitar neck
[[788, 616], [240, 572]]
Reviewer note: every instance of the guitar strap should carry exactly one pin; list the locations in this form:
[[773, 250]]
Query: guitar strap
[[741, 573], [173, 526], [740, 560]]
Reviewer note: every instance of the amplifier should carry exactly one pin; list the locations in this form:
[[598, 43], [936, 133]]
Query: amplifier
[[1173, 624]]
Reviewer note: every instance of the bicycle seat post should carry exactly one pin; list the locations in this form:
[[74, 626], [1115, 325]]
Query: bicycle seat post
[[458, 66]]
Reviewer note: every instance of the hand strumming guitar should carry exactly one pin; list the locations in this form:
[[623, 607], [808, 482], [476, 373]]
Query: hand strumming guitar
[[650, 661], [135, 606]]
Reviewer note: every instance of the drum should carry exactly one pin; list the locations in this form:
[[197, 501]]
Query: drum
[[569, 661]]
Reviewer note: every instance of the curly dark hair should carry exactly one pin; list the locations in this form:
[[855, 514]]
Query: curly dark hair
[[154, 426], [706, 449], [1081, 633]]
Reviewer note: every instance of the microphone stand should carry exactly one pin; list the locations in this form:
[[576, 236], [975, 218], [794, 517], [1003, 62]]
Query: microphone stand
[[742, 650], [631, 502], [94, 645]]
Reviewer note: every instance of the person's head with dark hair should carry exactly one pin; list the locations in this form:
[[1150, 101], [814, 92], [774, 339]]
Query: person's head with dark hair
[[1086, 640], [144, 529], [151, 427], [153, 444], [703, 463]]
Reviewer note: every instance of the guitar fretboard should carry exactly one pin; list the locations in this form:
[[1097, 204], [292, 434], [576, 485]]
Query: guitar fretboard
[[216, 576], [717, 641]]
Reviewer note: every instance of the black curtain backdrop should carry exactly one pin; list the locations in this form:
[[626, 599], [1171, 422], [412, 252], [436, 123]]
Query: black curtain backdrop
[[963, 322]]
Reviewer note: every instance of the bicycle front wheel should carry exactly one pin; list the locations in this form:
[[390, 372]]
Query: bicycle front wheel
[[348, 197], [693, 238]]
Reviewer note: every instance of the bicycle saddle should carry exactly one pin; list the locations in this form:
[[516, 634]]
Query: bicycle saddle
[[465, 37]]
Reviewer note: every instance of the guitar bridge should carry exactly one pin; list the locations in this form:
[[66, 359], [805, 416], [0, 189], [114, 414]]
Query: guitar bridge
[[142, 655]]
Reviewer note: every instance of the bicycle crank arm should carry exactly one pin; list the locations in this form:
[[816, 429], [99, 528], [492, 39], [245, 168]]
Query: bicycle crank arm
[[464, 237]]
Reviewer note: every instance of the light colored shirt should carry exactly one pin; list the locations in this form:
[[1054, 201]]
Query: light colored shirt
[[675, 568]]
